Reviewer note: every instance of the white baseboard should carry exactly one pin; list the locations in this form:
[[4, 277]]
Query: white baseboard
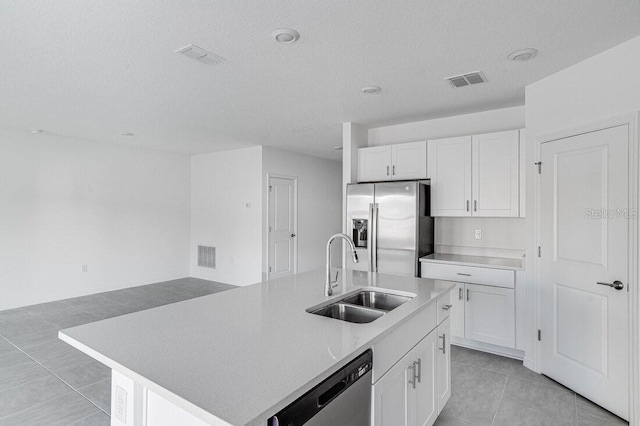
[[486, 347]]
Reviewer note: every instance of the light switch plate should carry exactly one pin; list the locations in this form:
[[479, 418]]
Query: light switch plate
[[478, 234]]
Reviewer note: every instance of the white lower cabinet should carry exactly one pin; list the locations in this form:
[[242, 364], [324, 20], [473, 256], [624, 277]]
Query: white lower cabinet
[[484, 313], [482, 310], [489, 315], [414, 391]]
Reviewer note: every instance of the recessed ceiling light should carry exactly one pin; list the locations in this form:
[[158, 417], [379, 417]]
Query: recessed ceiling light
[[371, 90], [127, 134], [523, 55], [285, 35], [36, 131]]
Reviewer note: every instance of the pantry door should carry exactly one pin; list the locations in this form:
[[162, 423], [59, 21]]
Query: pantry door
[[584, 265]]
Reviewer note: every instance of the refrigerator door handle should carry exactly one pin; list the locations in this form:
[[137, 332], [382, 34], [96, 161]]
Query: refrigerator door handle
[[373, 252], [369, 237]]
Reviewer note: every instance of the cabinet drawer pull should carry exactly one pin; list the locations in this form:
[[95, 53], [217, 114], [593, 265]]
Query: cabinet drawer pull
[[460, 293], [475, 205], [387, 170], [412, 381], [464, 275], [393, 170], [447, 307], [419, 370], [444, 343], [468, 295], [467, 205]]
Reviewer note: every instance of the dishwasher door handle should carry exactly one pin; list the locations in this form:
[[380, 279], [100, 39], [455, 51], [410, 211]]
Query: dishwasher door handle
[[334, 390]]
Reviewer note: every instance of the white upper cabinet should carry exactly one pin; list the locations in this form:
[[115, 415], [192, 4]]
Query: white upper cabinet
[[476, 175], [409, 161], [450, 173], [393, 162], [374, 164], [495, 167]]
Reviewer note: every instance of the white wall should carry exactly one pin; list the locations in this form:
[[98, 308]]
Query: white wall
[[507, 234], [122, 211], [226, 212], [458, 125], [603, 86], [319, 203]]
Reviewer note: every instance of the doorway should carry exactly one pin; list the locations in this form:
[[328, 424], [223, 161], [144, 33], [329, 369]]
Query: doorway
[[282, 230], [586, 267]]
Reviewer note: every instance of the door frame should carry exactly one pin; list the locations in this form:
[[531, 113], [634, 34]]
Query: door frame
[[267, 219], [630, 119]]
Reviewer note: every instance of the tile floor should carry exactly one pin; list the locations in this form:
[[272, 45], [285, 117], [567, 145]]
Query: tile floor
[[488, 389], [44, 381]]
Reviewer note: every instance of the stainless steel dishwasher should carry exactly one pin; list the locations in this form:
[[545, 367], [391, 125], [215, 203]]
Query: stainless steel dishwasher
[[342, 399]]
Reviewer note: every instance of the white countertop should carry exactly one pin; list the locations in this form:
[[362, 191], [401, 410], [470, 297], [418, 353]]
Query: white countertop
[[244, 354], [484, 261]]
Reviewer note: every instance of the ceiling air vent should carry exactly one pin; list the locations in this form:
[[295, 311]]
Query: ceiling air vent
[[467, 79], [207, 257], [199, 54]]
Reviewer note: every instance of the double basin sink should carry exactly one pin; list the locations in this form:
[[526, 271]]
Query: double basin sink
[[362, 307]]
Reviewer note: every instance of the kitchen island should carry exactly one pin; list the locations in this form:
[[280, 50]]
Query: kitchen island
[[240, 356]]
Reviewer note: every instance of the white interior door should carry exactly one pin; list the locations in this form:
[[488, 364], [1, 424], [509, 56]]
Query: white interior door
[[584, 202], [282, 227]]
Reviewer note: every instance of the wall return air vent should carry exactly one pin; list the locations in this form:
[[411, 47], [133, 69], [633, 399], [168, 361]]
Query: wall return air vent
[[468, 79], [207, 257]]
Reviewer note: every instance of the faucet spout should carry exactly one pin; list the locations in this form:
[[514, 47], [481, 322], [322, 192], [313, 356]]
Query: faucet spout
[[354, 254]]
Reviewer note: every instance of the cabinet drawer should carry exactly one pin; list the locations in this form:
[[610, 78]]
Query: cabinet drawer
[[468, 274], [444, 306], [394, 346]]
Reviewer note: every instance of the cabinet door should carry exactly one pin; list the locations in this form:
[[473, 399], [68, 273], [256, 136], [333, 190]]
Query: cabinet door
[[443, 365], [456, 313], [390, 396], [409, 161], [423, 399], [450, 172], [374, 164], [495, 169], [490, 315]]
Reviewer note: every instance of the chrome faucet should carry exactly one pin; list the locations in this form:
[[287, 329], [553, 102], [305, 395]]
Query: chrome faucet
[[328, 289]]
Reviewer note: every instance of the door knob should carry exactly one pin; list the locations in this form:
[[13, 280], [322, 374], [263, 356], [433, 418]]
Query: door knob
[[616, 284]]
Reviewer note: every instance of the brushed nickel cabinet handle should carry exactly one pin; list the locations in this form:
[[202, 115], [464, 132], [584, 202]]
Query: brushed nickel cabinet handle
[[468, 295], [464, 275], [475, 205], [467, 205], [412, 381], [418, 363], [444, 343], [460, 291], [387, 170]]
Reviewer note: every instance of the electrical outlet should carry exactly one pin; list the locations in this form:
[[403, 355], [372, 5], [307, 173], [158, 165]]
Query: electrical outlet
[[120, 405], [478, 234], [85, 268]]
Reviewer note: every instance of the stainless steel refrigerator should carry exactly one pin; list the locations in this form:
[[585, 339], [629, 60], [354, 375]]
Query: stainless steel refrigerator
[[391, 226]]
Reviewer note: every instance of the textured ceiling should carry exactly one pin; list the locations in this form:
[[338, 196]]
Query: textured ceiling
[[92, 69]]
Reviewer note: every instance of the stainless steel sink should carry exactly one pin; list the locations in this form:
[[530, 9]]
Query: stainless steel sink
[[349, 313], [377, 300], [362, 307]]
